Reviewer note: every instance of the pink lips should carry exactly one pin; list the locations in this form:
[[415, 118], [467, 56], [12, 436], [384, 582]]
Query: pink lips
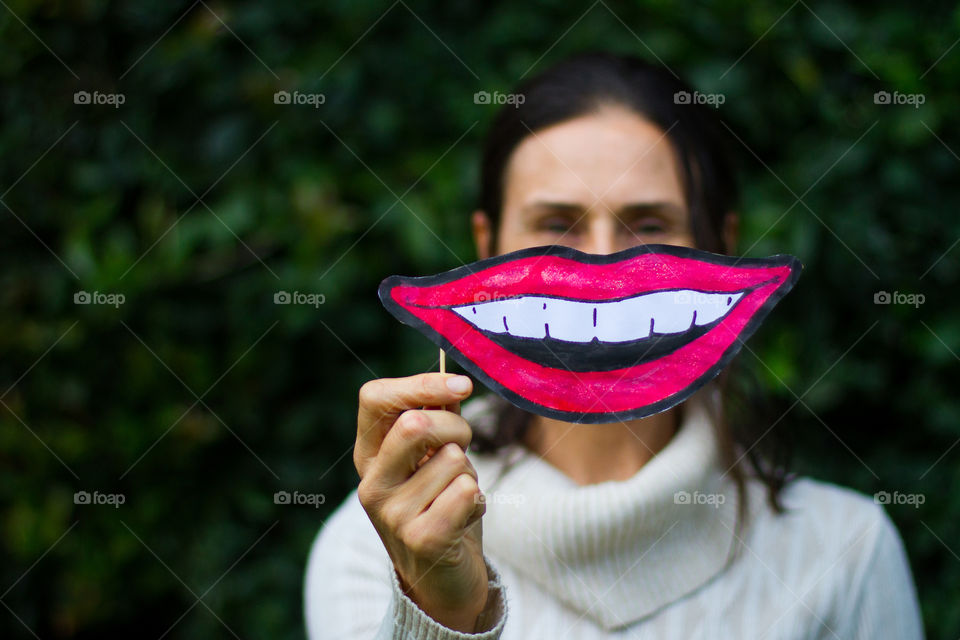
[[561, 272]]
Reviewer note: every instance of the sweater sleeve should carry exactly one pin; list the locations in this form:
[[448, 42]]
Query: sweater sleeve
[[884, 595], [351, 589], [406, 621]]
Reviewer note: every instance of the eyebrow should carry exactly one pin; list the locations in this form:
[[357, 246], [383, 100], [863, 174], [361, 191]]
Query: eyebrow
[[554, 206], [633, 209], [643, 208]]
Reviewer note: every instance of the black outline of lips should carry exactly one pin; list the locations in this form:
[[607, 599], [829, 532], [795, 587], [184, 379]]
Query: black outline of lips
[[589, 417]]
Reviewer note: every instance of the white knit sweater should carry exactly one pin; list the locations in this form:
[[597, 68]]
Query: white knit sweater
[[659, 555]]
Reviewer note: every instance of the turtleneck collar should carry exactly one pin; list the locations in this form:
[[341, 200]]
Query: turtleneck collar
[[616, 551]]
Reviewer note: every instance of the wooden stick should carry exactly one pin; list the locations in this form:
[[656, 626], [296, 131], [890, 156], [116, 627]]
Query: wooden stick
[[443, 369]]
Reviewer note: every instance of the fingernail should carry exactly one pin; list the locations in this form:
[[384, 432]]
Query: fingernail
[[458, 384]]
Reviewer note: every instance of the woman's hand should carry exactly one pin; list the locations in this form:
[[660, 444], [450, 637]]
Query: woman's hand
[[421, 492]]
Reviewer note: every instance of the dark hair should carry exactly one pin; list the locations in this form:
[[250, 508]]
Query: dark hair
[[581, 85]]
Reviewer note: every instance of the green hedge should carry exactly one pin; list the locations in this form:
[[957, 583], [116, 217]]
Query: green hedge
[[198, 398]]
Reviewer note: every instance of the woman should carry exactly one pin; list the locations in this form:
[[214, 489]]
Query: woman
[[672, 526]]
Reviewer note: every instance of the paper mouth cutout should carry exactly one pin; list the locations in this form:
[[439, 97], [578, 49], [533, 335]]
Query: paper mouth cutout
[[594, 338]]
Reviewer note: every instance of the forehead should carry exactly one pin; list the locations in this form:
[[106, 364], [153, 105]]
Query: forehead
[[612, 154]]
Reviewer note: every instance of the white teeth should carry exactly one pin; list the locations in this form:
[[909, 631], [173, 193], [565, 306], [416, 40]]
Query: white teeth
[[581, 321]]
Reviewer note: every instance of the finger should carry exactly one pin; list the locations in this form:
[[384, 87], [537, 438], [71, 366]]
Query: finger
[[453, 408], [478, 511], [455, 506], [411, 437], [426, 456], [425, 485], [381, 401]]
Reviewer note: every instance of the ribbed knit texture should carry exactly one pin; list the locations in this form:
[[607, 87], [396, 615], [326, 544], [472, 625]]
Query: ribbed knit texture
[[405, 621], [656, 556]]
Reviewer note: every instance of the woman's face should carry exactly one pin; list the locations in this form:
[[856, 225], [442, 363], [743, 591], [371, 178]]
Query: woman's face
[[600, 183]]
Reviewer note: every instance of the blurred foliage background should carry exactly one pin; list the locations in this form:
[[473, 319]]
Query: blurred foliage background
[[199, 198]]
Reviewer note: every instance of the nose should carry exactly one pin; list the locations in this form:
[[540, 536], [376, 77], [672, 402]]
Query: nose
[[602, 232]]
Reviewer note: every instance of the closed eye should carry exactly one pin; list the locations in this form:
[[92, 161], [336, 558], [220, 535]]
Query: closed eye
[[648, 225], [654, 218], [557, 218], [556, 224]]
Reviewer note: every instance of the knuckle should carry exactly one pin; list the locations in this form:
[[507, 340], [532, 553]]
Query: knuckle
[[452, 452], [421, 541], [466, 485], [366, 494], [455, 428], [461, 428], [455, 457], [392, 515], [411, 424], [463, 424], [412, 538], [371, 392]]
